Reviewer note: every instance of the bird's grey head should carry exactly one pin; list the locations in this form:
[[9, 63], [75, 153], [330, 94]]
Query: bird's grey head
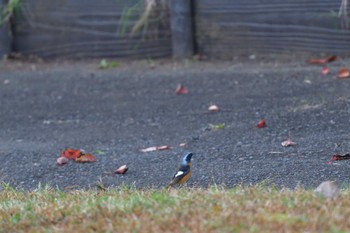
[[187, 158]]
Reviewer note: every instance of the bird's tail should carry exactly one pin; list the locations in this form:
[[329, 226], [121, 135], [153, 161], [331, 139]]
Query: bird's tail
[[170, 185]]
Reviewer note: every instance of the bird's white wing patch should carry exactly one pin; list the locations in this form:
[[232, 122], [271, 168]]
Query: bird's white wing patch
[[179, 173]]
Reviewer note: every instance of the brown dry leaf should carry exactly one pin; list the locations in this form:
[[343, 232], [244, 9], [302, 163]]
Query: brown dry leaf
[[213, 108], [323, 60], [122, 170], [62, 160], [181, 90], [85, 158], [343, 73], [155, 148]]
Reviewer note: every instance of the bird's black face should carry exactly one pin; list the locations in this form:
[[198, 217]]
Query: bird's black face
[[188, 157]]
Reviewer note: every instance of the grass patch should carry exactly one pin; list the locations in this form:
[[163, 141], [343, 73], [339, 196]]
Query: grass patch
[[241, 209]]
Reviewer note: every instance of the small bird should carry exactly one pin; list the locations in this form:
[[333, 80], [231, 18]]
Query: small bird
[[184, 172]]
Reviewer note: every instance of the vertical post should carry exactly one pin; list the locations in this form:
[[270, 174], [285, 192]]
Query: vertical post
[[181, 28], [5, 34]]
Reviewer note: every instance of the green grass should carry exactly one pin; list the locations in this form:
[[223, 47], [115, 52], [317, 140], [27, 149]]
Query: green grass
[[216, 209], [11, 8]]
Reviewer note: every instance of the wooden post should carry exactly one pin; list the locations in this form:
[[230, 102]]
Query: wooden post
[[181, 28], [5, 34]]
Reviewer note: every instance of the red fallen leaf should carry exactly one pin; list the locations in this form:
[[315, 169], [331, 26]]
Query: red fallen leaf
[[155, 148], [322, 61], [213, 108], [340, 157], [181, 90], [261, 124], [288, 142], [343, 73], [325, 70], [71, 153], [62, 160], [85, 158], [121, 170]]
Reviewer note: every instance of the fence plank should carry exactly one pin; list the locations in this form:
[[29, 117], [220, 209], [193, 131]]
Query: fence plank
[[181, 27]]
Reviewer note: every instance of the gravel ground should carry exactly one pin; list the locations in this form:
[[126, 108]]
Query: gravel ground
[[46, 107]]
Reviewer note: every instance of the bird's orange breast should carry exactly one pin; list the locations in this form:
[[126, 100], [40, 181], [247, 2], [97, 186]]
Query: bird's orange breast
[[187, 176]]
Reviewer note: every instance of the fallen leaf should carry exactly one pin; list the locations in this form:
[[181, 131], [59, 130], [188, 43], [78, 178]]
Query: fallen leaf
[[331, 58], [288, 142], [121, 170], [71, 153], [261, 124], [213, 108], [218, 126], [327, 189], [100, 152], [155, 148], [114, 64], [322, 61], [103, 64], [181, 90], [62, 160], [343, 73], [163, 147], [149, 149], [151, 63], [340, 157], [85, 158], [325, 70]]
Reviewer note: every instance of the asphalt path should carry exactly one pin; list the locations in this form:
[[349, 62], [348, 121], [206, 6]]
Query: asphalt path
[[116, 112]]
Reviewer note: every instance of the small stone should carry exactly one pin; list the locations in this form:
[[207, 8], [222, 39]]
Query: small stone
[[62, 160], [213, 108], [327, 189], [122, 170], [252, 57]]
